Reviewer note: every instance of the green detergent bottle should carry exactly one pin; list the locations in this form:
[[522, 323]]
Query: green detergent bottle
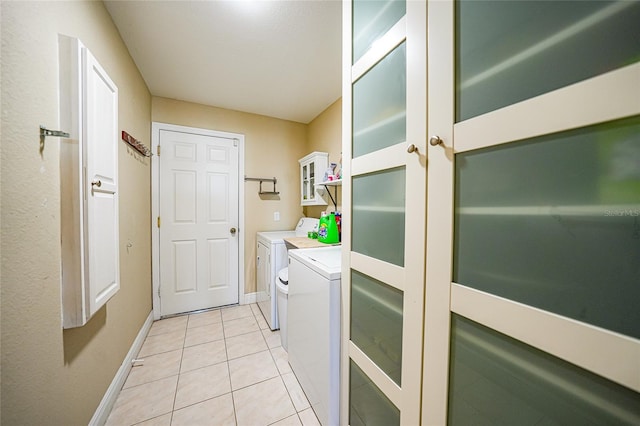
[[328, 229]]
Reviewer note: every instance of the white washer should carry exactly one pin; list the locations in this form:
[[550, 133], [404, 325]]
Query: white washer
[[314, 327], [271, 258]]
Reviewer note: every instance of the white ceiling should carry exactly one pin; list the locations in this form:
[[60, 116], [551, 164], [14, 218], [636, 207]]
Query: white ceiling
[[276, 58]]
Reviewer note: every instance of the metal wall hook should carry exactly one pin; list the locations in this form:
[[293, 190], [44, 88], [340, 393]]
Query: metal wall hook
[[44, 132], [57, 133]]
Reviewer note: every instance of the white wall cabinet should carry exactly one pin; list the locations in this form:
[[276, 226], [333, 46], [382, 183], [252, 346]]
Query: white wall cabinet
[[88, 184], [312, 168]]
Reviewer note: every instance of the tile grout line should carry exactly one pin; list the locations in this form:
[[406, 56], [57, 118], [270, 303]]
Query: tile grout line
[[233, 399], [281, 379], [175, 396], [226, 351]]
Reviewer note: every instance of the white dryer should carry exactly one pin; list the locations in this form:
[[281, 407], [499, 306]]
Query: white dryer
[[271, 258]]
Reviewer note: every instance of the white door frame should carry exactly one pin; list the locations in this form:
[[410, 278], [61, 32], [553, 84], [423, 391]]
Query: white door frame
[[155, 205]]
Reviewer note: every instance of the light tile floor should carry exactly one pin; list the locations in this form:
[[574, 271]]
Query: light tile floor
[[222, 367]]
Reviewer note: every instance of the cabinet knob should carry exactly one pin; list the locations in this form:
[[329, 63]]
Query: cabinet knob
[[412, 148], [97, 183], [436, 140]]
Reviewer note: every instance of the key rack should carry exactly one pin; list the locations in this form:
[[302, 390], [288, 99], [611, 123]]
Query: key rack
[[136, 144]]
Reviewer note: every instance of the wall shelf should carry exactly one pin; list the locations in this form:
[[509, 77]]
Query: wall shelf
[[334, 183], [260, 191]]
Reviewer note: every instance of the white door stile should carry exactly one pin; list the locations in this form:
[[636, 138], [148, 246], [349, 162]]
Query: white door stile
[[347, 193], [416, 212], [440, 175]]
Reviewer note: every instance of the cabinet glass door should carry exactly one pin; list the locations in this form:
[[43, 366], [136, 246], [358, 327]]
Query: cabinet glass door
[[312, 175], [383, 280], [305, 182]]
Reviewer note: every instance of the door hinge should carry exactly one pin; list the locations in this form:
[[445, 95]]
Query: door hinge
[[158, 221], [158, 150], [158, 292]]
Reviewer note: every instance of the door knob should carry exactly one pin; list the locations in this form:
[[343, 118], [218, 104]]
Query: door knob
[[436, 140], [233, 231], [97, 183], [412, 148]]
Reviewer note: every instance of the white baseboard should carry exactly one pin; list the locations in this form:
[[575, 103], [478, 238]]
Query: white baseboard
[[109, 399], [250, 298]]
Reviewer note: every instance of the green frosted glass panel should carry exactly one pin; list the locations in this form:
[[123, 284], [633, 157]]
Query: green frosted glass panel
[[495, 380], [367, 404], [509, 51], [376, 322], [371, 20], [380, 105], [378, 214], [554, 222]]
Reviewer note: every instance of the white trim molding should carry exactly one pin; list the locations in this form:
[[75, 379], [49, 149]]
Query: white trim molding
[[109, 399]]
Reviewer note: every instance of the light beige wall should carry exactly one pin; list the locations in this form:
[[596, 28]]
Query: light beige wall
[[272, 148], [51, 376], [324, 134]]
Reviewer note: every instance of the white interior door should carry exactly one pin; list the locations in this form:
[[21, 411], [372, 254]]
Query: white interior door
[[199, 241], [101, 151]]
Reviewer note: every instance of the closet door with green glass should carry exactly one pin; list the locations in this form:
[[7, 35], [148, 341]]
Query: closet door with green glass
[[543, 123], [384, 101]]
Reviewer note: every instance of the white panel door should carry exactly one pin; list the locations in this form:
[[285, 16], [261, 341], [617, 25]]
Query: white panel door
[[199, 220], [101, 159]]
